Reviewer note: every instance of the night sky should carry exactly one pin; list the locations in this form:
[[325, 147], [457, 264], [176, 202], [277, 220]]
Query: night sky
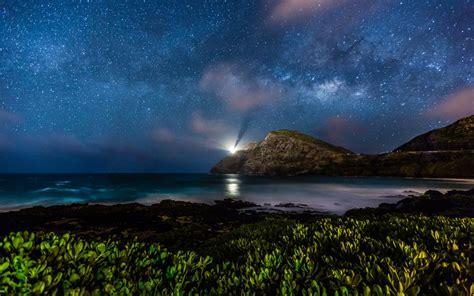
[[164, 87]]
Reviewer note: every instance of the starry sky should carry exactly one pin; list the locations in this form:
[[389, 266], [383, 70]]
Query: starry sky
[[166, 86]]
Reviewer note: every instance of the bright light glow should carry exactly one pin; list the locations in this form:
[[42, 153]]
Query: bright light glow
[[232, 149]]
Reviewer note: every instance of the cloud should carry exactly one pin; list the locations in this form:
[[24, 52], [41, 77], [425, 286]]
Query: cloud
[[208, 127], [8, 117], [289, 10], [203, 134], [327, 13], [238, 89], [163, 135], [342, 131], [455, 106]]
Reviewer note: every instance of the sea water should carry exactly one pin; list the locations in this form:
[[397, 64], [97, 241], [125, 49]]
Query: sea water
[[327, 194]]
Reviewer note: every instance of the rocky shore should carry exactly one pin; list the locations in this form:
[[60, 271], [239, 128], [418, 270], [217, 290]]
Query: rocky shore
[[179, 224], [455, 203]]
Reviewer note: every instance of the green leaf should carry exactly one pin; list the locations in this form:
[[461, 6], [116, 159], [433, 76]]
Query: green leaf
[[17, 242], [413, 291], [74, 277], [101, 247], [78, 247], [109, 288], [38, 288], [367, 291], [4, 266]]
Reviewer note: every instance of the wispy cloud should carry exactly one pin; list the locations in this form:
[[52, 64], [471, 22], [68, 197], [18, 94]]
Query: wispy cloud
[[163, 135], [9, 117], [455, 106], [343, 131], [288, 12], [291, 9], [238, 89], [205, 126]]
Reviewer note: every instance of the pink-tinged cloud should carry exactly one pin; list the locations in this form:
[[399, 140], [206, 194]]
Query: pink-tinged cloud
[[208, 127], [239, 90], [341, 131], [328, 12], [455, 106], [163, 135], [9, 118], [289, 10]]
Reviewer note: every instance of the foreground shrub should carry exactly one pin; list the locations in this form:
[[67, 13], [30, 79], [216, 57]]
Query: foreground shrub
[[406, 255]]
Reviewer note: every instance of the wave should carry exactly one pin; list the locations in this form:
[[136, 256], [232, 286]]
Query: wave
[[61, 183], [153, 198]]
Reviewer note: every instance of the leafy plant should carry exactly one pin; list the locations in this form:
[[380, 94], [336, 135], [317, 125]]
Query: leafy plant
[[393, 255]]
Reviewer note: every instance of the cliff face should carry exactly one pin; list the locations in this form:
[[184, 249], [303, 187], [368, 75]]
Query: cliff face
[[457, 136], [282, 152], [291, 153]]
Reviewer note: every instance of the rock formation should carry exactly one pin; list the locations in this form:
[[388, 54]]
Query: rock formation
[[445, 152]]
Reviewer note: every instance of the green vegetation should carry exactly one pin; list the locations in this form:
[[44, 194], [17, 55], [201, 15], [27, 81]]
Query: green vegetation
[[398, 255]]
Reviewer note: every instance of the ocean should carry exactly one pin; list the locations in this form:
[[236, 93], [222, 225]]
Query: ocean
[[328, 194]]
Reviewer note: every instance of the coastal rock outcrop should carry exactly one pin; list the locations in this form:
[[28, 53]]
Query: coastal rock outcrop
[[454, 203], [443, 153], [283, 152]]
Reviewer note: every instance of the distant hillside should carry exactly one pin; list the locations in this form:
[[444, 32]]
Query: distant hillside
[[457, 136], [446, 152]]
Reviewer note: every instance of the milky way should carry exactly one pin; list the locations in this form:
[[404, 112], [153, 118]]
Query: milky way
[[104, 87]]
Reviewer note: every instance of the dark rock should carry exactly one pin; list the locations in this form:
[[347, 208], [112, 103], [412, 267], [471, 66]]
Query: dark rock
[[290, 205], [177, 224], [433, 194], [234, 204], [454, 203], [460, 192], [291, 153]]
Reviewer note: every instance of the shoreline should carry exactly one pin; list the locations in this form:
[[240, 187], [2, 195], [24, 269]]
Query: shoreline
[[197, 221], [330, 186], [224, 235], [404, 194]]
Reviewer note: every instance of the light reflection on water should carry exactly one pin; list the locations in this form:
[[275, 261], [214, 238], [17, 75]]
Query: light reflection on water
[[232, 186], [332, 194]]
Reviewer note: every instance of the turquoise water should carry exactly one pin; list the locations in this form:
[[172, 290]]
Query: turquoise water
[[329, 194]]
